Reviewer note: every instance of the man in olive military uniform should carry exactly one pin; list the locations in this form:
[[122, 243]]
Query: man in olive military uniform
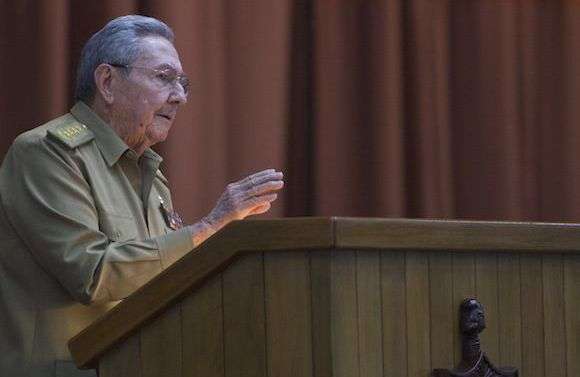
[[85, 214]]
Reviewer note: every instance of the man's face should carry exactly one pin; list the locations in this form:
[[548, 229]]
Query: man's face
[[144, 105]]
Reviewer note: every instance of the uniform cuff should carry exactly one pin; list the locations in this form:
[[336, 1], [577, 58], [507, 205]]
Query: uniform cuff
[[174, 245]]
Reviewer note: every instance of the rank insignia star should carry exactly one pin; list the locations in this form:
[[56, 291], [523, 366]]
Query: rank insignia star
[[71, 132]]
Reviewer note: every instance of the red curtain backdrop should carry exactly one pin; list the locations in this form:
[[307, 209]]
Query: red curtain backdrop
[[390, 108]]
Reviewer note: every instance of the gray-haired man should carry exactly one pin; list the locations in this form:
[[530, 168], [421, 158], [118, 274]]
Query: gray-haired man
[[85, 214]]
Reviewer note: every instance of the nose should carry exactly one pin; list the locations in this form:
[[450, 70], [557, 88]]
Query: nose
[[177, 95]]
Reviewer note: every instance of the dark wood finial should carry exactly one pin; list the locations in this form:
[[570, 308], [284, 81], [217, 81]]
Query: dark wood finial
[[474, 362]]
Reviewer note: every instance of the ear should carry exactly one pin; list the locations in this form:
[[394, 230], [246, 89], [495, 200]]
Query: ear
[[104, 82]]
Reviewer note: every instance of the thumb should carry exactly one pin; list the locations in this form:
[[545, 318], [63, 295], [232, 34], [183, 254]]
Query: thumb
[[260, 209]]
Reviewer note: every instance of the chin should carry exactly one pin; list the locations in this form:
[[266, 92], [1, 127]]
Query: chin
[[158, 138], [159, 134]]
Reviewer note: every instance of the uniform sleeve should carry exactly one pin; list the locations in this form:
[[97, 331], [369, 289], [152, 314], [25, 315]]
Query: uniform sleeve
[[50, 206]]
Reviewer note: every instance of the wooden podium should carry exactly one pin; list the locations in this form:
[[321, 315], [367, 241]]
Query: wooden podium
[[349, 297]]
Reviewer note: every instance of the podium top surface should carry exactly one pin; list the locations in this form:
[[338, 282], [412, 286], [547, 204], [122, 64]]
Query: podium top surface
[[300, 234]]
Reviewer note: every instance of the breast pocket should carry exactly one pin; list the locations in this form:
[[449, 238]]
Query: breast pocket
[[118, 227]]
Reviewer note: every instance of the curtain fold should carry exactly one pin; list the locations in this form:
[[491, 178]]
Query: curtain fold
[[390, 108]]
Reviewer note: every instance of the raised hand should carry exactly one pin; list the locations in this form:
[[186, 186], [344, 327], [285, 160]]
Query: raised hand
[[252, 195]]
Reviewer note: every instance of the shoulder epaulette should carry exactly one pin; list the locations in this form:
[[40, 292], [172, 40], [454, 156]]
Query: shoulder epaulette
[[71, 134]]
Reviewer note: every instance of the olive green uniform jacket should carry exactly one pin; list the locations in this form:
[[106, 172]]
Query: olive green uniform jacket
[[81, 227]]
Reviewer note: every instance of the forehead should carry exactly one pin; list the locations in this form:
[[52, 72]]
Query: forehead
[[156, 52]]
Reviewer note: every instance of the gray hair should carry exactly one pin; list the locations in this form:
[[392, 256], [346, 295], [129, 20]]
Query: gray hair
[[118, 42]]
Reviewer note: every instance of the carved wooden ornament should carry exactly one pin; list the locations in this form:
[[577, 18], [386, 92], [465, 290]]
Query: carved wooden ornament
[[474, 362]]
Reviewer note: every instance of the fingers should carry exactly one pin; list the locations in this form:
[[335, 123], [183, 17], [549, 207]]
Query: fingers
[[261, 174], [260, 178], [257, 201], [253, 204], [258, 184], [256, 176], [267, 187]]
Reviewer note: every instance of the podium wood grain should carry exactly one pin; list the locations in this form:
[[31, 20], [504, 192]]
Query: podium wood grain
[[510, 311], [533, 363], [487, 292], [244, 318], [554, 316], [368, 287], [202, 325], [572, 298], [394, 313], [441, 311], [288, 314]]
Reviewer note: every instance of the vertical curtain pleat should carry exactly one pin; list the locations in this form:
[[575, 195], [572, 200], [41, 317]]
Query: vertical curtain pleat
[[529, 68], [300, 141], [426, 102], [53, 57], [566, 90], [550, 124], [343, 91], [387, 167]]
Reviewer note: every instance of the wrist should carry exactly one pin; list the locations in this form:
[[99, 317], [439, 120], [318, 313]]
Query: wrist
[[211, 223], [201, 231]]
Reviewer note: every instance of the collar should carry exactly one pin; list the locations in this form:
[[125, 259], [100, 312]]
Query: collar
[[110, 144]]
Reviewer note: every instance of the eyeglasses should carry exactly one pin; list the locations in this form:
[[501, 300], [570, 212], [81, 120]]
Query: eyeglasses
[[166, 76]]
